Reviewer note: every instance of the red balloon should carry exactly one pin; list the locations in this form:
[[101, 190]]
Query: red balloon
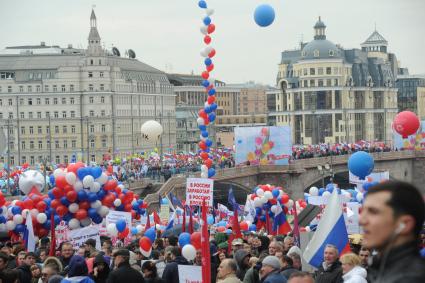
[[68, 188], [205, 75], [285, 199], [202, 145], [72, 168], [204, 155], [210, 67], [35, 198], [110, 169], [130, 195], [85, 205], [41, 206], [124, 233], [211, 86], [61, 182], [81, 214], [118, 190], [71, 196], [57, 193], [128, 207], [28, 203], [244, 226], [406, 123], [55, 203], [221, 229], [202, 114], [145, 243], [208, 163], [2, 201], [110, 185], [211, 28], [211, 99], [211, 54], [20, 204], [41, 232], [195, 240], [61, 210], [207, 39]]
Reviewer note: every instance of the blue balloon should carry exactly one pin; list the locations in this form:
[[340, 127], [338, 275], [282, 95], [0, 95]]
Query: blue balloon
[[184, 239], [211, 172], [47, 225], [16, 210], [275, 193], [65, 201], [207, 109], [202, 127], [92, 197], [202, 4], [56, 219], [135, 206], [222, 223], [205, 83], [264, 15], [214, 106], [82, 172], [20, 228], [208, 142], [96, 172], [52, 180], [207, 21], [210, 220], [204, 134], [258, 211], [50, 194], [120, 225], [252, 227], [82, 195], [67, 217], [92, 212], [361, 164], [97, 219], [134, 231], [321, 191], [229, 231], [2, 219], [151, 234], [101, 194], [211, 91], [208, 61], [211, 117]]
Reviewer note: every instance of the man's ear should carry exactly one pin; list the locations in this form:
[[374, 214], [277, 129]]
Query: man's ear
[[407, 225]]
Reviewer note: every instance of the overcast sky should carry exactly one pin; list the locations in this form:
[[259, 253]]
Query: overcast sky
[[165, 33]]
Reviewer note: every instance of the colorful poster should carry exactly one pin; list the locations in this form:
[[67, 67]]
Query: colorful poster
[[263, 145], [198, 189], [416, 142]]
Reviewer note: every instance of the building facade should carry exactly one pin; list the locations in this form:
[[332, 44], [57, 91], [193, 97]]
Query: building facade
[[61, 104], [410, 94], [328, 94]]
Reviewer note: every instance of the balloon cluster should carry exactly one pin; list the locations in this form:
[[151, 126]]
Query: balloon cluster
[[349, 195], [190, 243], [207, 114], [81, 195], [145, 243]]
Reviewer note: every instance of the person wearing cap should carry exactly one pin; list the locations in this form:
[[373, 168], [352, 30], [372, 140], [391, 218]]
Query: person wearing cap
[[237, 244], [270, 270], [123, 272], [242, 259]]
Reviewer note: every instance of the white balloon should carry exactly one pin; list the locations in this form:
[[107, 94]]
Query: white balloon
[[25, 212], [280, 193], [204, 175], [268, 195], [209, 11], [273, 208], [88, 181], [10, 225], [41, 218], [263, 200], [326, 194], [34, 212], [314, 191], [102, 179], [204, 30], [189, 252], [30, 179], [117, 202], [18, 219], [290, 203], [95, 187], [71, 178], [78, 186], [359, 197], [73, 208], [307, 228], [257, 202], [200, 121], [112, 229], [209, 49], [58, 172], [211, 80], [151, 131], [96, 204], [139, 228], [85, 222], [103, 211], [204, 53], [260, 192], [74, 224], [146, 253], [2, 227], [204, 168]]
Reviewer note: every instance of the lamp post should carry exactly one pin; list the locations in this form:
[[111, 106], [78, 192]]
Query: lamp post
[[326, 171]]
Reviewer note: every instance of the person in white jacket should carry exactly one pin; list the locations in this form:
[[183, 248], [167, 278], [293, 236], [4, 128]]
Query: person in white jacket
[[351, 269]]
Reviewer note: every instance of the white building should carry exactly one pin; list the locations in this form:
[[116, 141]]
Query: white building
[[57, 103]]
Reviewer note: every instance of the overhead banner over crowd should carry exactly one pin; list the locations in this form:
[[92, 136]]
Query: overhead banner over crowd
[[199, 189], [263, 145], [416, 141]]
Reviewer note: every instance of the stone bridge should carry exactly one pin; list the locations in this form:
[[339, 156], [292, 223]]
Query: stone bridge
[[298, 176]]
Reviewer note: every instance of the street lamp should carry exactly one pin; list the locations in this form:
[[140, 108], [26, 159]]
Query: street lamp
[[326, 171]]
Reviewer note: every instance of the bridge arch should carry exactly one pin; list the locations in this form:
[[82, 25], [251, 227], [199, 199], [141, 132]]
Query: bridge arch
[[221, 191]]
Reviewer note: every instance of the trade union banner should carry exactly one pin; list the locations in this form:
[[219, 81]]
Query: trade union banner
[[198, 189]]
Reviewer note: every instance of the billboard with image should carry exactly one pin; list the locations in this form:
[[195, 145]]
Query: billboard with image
[[416, 142], [263, 145]]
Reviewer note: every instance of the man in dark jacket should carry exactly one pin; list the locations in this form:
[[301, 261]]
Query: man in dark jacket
[[330, 271], [124, 272], [392, 218], [242, 259], [171, 272], [24, 269], [100, 269]]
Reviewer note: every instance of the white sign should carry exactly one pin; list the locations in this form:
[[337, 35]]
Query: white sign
[[373, 177], [164, 213], [190, 274], [79, 236], [113, 216], [198, 189], [61, 233]]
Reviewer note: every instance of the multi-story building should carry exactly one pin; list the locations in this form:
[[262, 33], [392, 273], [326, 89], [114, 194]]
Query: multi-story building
[[411, 94], [62, 102], [330, 94]]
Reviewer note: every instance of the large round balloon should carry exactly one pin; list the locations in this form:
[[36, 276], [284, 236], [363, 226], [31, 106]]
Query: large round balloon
[[30, 179], [189, 252], [151, 131], [361, 164], [406, 123], [264, 15]]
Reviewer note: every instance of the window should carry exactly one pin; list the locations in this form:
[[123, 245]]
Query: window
[[73, 143], [22, 130], [91, 87], [47, 101], [39, 130], [38, 101], [32, 160], [22, 115], [1, 115], [328, 71], [72, 100], [63, 114], [91, 73], [71, 87], [29, 88], [10, 115], [91, 63], [24, 159], [63, 100], [56, 114], [56, 144], [55, 100], [91, 113], [102, 99], [65, 158], [12, 158], [29, 101], [72, 114], [104, 143], [312, 83], [56, 129], [47, 129], [46, 88], [320, 71], [329, 82], [57, 159], [101, 74], [320, 83], [312, 71], [47, 114], [91, 99], [331, 53], [92, 143], [21, 88], [316, 53], [65, 144], [103, 127], [55, 88], [102, 113], [93, 158], [91, 128], [30, 115], [64, 129], [102, 87], [73, 129], [31, 144], [38, 88], [1, 102], [63, 88]]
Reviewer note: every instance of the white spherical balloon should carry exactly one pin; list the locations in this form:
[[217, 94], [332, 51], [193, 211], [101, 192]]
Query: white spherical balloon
[[204, 30], [290, 203], [34, 212], [257, 202], [151, 131], [73, 207], [78, 186], [10, 225], [103, 211], [30, 179], [95, 187], [18, 219], [96, 204], [189, 252], [260, 192], [41, 218], [314, 191], [273, 208], [204, 175], [85, 222], [268, 195], [139, 228], [88, 181], [204, 168], [359, 197], [58, 172], [74, 224], [117, 202], [200, 121], [326, 194], [112, 229], [2, 227], [71, 178], [102, 179], [146, 253], [263, 200]]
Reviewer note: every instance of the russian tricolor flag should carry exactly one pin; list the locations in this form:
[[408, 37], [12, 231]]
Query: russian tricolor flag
[[280, 224], [330, 230]]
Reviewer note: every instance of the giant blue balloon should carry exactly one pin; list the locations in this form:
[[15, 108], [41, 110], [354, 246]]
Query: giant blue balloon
[[184, 239], [151, 234], [361, 164], [264, 15]]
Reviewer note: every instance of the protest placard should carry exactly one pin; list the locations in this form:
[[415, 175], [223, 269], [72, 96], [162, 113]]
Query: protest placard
[[79, 236], [61, 233], [198, 189], [113, 216], [190, 274]]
